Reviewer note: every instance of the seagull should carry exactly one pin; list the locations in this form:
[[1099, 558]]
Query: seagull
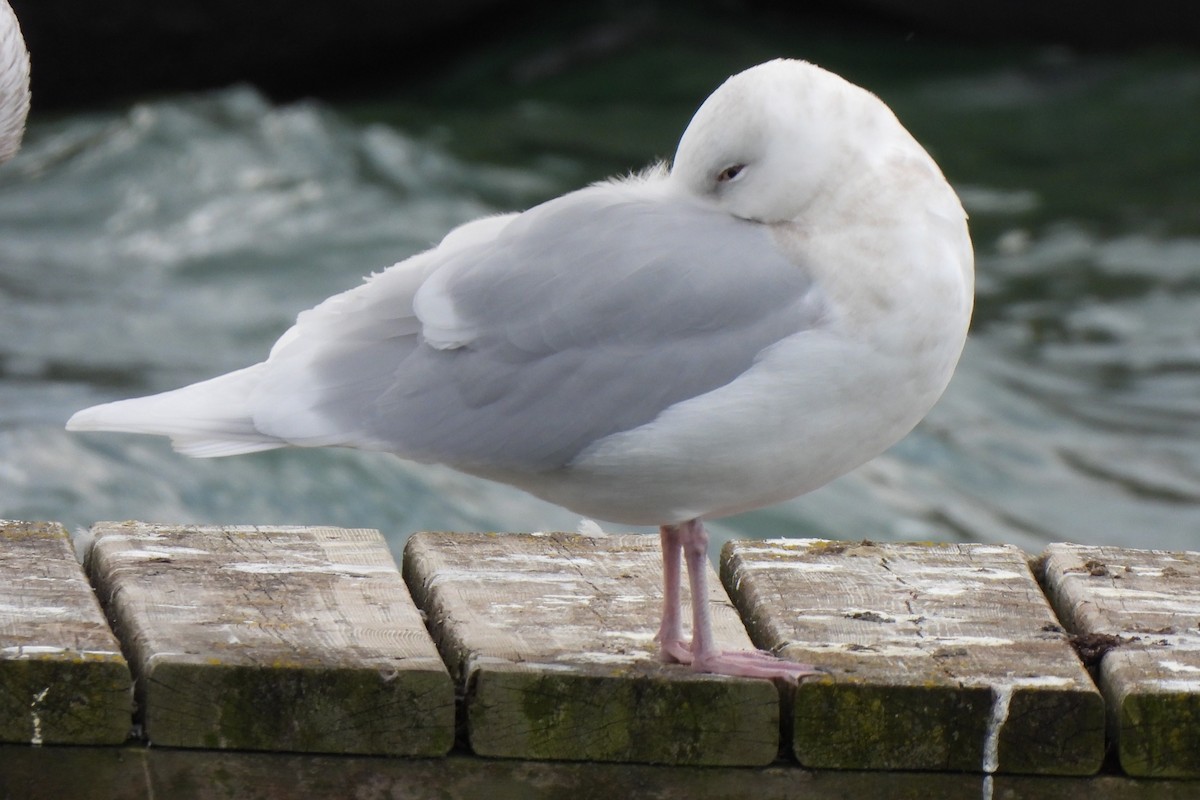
[[14, 83], [781, 303]]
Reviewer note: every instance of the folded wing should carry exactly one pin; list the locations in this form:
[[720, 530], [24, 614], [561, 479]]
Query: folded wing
[[518, 343]]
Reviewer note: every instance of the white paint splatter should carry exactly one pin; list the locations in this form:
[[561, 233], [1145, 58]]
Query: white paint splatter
[[603, 658], [350, 570], [36, 739], [1002, 694], [21, 650], [473, 576], [1165, 642], [1039, 681], [991, 550], [1177, 599], [791, 544], [636, 636], [25, 650], [33, 610], [161, 551], [948, 590], [796, 566], [150, 536], [1001, 700], [974, 641], [907, 647], [963, 573], [553, 602]]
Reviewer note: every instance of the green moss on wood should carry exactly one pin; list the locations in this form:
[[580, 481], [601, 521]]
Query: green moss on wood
[[588, 714], [277, 707], [71, 699], [852, 725], [1053, 732], [943, 726], [1158, 734]]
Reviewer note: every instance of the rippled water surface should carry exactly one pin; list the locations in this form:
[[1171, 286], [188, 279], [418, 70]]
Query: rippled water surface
[[159, 243]]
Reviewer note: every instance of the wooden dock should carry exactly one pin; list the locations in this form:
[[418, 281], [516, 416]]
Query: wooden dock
[[297, 639], [1143, 607], [63, 679], [551, 637], [942, 660], [942, 657]]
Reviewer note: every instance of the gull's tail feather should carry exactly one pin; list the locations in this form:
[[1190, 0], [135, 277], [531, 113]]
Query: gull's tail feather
[[207, 419]]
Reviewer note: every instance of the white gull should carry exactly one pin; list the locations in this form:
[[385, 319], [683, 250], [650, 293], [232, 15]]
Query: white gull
[[784, 302]]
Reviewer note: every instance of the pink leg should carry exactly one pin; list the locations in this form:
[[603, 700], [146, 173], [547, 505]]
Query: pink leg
[[673, 649], [692, 539]]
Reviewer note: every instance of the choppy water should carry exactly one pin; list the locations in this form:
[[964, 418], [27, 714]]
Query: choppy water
[[153, 245]]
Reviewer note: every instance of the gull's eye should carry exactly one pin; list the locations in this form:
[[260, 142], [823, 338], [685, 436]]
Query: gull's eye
[[730, 172]]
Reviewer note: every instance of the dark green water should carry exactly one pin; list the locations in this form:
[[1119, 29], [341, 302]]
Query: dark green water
[[162, 242]]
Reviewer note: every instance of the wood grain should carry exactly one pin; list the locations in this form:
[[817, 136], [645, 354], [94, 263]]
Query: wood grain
[[1149, 601], [63, 679], [551, 638], [274, 638], [939, 656]]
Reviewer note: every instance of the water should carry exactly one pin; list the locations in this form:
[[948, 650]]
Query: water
[[151, 245]]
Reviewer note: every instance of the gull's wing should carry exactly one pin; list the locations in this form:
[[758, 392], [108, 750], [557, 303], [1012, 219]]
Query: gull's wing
[[534, 336]]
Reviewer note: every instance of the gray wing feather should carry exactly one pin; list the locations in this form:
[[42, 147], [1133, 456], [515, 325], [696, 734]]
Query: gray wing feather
[[589, 315]]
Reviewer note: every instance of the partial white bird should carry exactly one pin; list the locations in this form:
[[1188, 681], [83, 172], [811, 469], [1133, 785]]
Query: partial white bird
[[784, 302], [14, 83]]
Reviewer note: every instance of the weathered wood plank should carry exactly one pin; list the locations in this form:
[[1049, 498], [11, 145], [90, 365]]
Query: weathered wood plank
[[1151, 679], [273, 638], [551, 635], [939, 656], [63, 679]]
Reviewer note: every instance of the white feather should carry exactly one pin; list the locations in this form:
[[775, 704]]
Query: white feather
[[205, 420]]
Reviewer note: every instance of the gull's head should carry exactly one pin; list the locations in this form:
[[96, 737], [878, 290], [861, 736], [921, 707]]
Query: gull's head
[[771, 139]]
